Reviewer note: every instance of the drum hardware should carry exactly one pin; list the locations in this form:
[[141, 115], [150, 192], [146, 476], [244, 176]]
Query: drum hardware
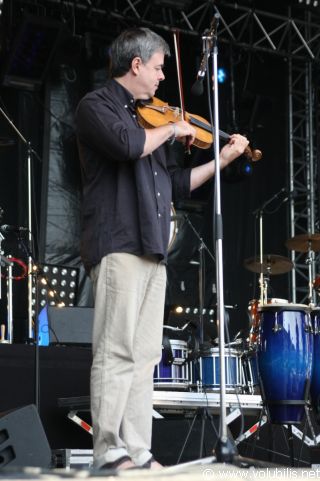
[[265, 264], [307, 243], [277, 328]]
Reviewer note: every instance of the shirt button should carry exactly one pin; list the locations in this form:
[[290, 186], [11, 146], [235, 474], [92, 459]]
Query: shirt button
[[155, 173], [158, 194], [159, 215], [126, 106]]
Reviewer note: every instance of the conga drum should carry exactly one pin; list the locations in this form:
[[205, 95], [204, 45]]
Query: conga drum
[[254, 318], [285, 355], [315, 378]]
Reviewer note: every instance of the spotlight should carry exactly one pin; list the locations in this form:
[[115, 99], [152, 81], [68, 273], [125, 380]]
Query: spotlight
[[308, 3], [238, 170], [57, 285], [222, 75]]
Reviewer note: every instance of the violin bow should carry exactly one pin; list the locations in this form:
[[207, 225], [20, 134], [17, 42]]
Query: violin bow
[[176, 40]]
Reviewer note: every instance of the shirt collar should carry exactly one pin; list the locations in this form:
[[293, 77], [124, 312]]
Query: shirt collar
[[125, 97]]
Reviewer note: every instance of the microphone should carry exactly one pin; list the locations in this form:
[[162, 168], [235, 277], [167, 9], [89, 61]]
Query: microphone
[[13, 228], [292, 196], [197, 87]]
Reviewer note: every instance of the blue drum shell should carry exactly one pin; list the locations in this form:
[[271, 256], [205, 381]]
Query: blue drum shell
[[315, 378], [285, 355]]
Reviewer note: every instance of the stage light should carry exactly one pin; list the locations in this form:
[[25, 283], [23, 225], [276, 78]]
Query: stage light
[[57, 285], [309, 3], [222, 75], [238, 170], [179, 310]]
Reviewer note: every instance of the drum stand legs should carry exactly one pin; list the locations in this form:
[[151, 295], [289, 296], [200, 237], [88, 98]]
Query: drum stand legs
[[203, 414], [291, 431]]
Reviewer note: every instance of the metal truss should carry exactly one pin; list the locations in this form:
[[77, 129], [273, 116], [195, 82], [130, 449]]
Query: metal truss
[[278, 33], [303, 171], [281, 30]]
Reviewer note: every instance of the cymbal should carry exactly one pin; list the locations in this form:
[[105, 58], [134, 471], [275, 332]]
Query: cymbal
[[304, 242], [272, 264]]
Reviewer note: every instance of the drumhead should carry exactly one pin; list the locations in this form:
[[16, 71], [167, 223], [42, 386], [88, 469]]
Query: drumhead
[[177, 344], [215, 352], [284, 307], [275, 300]]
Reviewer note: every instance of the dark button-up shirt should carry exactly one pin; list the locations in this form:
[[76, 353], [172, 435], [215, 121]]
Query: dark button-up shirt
[[126, 198]]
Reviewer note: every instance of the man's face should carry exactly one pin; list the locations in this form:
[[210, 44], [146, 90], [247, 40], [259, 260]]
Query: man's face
[[149, 75]]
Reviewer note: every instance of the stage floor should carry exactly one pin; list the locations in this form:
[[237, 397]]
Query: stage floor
[[202, 470]]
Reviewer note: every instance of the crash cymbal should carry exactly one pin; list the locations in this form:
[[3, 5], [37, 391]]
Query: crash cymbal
[[304, 242], [272, 264]]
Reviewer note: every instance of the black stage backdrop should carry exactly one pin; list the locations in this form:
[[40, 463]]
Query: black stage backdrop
[[45, 117]]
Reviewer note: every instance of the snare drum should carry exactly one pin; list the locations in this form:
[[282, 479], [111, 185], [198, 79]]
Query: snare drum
[[285, 354], [175, 374], [206, 371]]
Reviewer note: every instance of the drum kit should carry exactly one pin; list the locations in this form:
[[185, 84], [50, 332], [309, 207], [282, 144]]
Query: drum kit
[[278, 360]]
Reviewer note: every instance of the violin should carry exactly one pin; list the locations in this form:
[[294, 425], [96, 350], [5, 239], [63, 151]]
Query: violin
[[157, 113]]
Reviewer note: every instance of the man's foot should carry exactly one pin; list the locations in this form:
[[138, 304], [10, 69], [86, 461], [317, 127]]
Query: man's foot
[[125, 462], [152, 464]]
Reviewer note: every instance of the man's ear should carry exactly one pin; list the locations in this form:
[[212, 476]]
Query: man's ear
[[136, 64]]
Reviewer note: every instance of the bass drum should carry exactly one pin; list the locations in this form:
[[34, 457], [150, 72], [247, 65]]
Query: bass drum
[[173, 228]]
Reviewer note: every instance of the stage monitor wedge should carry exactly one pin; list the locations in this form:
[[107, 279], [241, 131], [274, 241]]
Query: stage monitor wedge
[[23, 441]]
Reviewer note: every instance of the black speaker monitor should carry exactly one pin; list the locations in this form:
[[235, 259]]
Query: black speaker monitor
[[23, 441], [70, 325]]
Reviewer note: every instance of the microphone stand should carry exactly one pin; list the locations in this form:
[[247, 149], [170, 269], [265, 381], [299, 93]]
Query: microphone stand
[[29, 203], [225, 450], [202, 247], [5, 261]]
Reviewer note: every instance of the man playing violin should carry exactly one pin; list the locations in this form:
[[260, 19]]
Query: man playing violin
[[129, 179]]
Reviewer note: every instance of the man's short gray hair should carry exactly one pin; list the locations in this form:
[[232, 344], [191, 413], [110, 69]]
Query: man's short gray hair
[[131, 43]]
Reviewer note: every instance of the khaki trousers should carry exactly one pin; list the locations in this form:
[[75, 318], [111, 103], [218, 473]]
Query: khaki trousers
[[127, 336]]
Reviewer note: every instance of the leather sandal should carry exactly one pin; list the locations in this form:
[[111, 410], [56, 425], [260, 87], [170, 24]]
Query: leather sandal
[[118, 463], [151, 464]]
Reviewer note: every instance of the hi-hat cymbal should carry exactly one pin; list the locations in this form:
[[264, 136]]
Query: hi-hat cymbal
[[304, 242], [272, 264]]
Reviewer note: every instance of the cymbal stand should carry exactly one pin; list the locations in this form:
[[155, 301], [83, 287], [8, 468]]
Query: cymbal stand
[[261, 277], [260, 211], [30, 151], [310, 262]]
